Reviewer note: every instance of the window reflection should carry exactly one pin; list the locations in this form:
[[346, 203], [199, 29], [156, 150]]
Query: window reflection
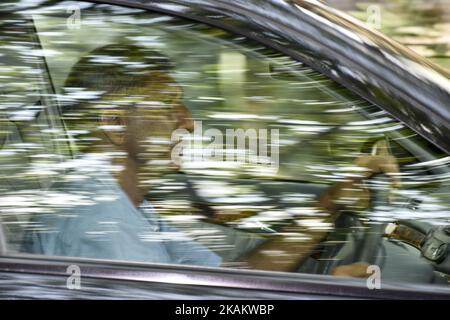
[[87, 130]]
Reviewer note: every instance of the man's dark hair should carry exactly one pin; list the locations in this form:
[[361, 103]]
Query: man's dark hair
[[114, 67]]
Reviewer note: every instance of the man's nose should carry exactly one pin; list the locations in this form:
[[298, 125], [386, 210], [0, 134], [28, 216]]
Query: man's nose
[[184, 118]]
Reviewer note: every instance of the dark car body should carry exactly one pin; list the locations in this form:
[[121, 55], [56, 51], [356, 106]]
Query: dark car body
[[377, 69]]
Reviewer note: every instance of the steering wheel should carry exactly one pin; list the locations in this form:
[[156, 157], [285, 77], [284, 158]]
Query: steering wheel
[[369, 244], [368, 248]]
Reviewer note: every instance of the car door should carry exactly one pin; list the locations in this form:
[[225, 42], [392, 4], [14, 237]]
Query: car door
[[268, 136]]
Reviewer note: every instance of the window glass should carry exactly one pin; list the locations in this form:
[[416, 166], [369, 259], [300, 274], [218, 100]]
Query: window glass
[[130, 135]]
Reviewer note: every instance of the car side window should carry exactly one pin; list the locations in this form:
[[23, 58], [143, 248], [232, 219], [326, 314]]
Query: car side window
[[132, 135]]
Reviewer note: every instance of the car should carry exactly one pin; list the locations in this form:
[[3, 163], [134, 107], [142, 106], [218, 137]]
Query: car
[[282, 149]]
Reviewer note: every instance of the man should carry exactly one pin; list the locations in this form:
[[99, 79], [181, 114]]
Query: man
[[124, 146]]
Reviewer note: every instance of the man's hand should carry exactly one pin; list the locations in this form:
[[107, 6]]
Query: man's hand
[[386, 164], [357, 270], [353, 194]]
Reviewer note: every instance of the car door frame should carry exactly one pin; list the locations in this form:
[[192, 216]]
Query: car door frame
[[278, 283]]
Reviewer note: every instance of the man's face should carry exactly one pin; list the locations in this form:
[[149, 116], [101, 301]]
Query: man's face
[[157, 111]]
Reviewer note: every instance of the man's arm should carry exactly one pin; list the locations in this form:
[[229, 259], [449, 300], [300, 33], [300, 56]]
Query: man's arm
[[291, 252], [188, 251]]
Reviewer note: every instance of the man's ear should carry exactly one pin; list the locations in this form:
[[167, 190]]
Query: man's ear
[[114, 128]]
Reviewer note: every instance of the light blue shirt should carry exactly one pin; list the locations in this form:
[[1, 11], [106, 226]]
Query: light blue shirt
[[99, 221]]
